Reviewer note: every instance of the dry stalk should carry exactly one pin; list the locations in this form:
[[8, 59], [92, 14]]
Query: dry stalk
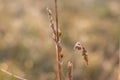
[[56, 38], [70, 70], [58, 46]]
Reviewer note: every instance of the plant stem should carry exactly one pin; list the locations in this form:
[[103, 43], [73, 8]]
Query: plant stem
[[56, 13], [58, 64], [58, 52]]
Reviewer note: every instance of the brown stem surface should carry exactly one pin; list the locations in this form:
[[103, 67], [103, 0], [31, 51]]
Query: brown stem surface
[[58, 64], [56, 12], [58, 52]]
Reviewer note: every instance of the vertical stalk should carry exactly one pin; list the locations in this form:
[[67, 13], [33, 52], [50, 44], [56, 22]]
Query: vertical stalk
[[58, 64], [57, 46], [56, 13]]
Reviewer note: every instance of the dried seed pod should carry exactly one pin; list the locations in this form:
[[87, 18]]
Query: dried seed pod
[[84, 51], [49, 11], [84, 54], [59, 32], [51, 21], [60, 49], [61, 55], [53, 37], [77, 46]]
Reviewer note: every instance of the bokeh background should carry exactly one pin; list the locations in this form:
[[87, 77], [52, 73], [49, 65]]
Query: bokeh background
[[27, 49]]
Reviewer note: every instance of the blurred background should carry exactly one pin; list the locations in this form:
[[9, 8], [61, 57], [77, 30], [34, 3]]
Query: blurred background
[[27, 49]]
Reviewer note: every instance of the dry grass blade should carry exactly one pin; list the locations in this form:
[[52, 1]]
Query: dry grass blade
[[10, 74]]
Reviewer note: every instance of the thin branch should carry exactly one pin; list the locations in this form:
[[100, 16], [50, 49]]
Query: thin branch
[[56, 37], [58, 46], [56, 12], [10, 74]]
